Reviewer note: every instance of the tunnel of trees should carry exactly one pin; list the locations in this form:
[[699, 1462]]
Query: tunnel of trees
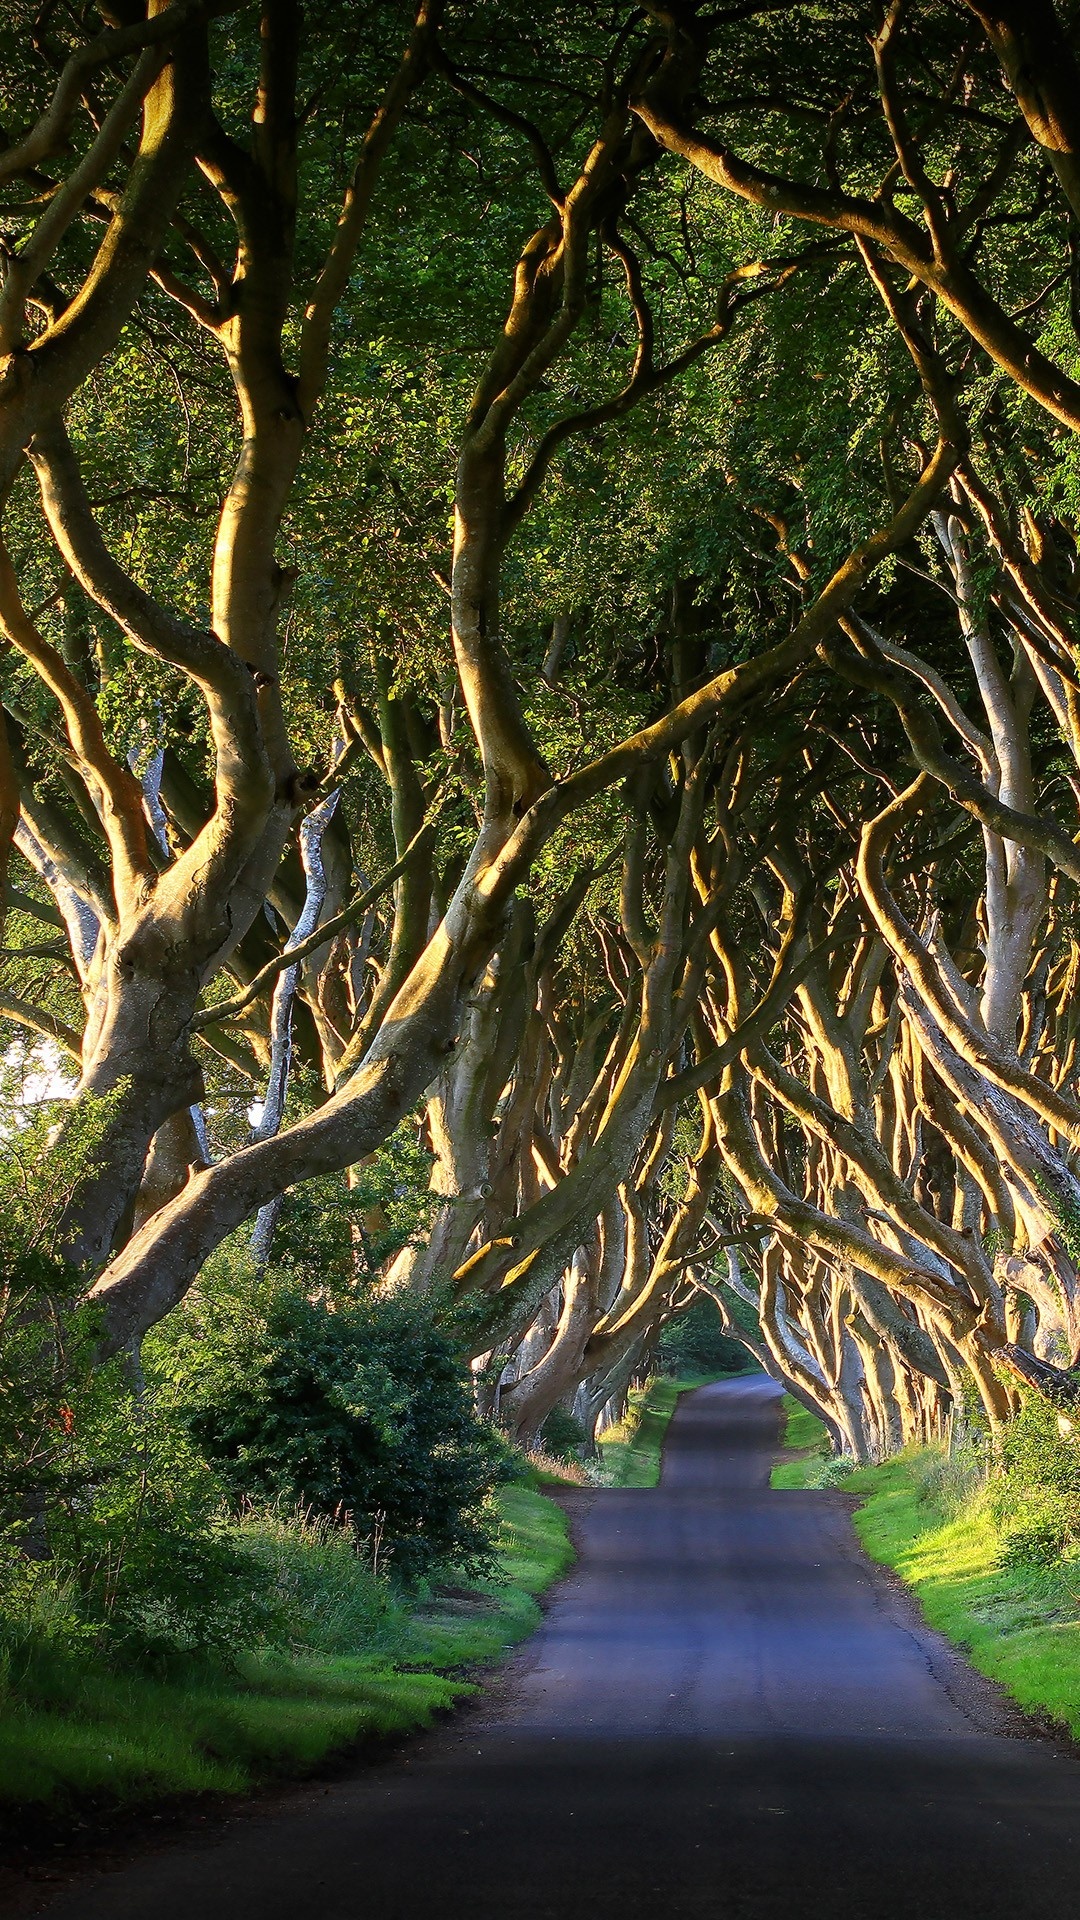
[[541, 700]]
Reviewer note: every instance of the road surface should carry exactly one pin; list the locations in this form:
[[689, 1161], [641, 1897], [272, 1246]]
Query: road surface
[[727, 1713]]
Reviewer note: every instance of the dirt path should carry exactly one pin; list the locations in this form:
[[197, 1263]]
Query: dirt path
[[728, 1712]]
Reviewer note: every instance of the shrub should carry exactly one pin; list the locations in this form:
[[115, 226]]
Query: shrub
[[1039, 1538], [128, 1550], [142, 1529], [563, 1436], [832, 1470], [837, 1470], [111, 1528], [359, 1410], [1035, 1500]]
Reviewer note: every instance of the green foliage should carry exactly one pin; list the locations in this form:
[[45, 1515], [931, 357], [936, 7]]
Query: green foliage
[[110, 1520], [562, 1436], [836, 1472], [362, 1666], [1035, 1500], [951, 1479], [327, 1597], [325, 1226], [696, 1343], [359, 1409], [133, 1528], [150, 1641]]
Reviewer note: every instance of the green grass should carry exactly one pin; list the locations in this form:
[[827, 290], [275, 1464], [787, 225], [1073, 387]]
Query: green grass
[[136, 1739], [462, 1631], [74, 1731], [631, 1450], [805, 1432]]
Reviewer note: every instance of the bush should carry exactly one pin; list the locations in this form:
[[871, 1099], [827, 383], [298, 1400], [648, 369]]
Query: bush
[[111, 1523], [359, 1410], [142, 1529], [562, 1436], [1036, 1498], [1039, 1539], [830, 1471], [837, 1470], [126, 1549]]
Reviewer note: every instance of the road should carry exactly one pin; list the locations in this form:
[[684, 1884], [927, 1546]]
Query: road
[[727, 1713]]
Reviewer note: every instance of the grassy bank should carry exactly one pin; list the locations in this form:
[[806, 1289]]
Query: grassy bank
[[939, 1527], [73, 1729]]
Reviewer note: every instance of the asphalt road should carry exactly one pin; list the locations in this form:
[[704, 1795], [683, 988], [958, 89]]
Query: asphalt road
[[728, 1713]]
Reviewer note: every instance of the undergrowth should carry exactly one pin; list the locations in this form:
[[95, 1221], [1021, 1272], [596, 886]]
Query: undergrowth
[[358, 1662]]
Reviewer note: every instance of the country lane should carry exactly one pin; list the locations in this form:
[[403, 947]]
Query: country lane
[[728, 1712]]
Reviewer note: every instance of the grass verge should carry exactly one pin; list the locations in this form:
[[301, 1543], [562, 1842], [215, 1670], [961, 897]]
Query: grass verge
[[74, 1731], [1018, 1625], [805, 1434]]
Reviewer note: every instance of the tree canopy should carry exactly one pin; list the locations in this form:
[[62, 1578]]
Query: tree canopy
[[541, 716]]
